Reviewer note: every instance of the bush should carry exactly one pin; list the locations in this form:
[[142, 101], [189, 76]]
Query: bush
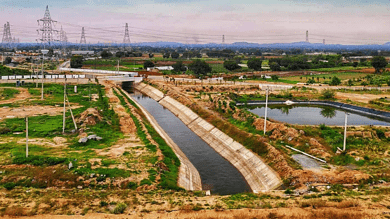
[[274, 77], [132, 185], [38, 160], [335, 81], [328, 93], [9, 185], [119, 208]]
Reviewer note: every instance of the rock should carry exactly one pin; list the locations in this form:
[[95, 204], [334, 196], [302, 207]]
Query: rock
[[314, 142], [301, 132], [70, 166], [59, 140], [367, 135], [79, 187], [83, 140], [92, 137], [98, 138], [208, 192], [293, 133]]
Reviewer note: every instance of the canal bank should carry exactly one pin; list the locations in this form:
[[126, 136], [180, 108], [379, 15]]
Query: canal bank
[[189, 177], [258, 175]]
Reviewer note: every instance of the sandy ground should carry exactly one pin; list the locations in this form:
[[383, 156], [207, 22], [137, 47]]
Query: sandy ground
[[9, 113], [23, 95], [302, 213], [363, 98]]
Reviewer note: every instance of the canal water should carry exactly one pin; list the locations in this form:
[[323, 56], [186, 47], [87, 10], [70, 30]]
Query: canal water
[[217, 174], [315, 115]]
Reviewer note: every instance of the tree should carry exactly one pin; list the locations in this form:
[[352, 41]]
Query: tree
[[335, 81], [76, 62], [274, 66], [166, 55], [148, 64], [151, 55], [328, 93], [106, 54], [379, 63], [350, 82], [231, 65], [355, 64], [120, 54], [175, 55], [7, 60], [200, 67], [179, 67], [274, 77], [255, 64]]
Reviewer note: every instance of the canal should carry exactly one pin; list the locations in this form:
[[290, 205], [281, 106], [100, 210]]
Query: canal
[[217, 174]]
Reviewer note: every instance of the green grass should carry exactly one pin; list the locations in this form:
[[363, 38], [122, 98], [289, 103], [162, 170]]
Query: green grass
[[8, 93], [344, 68], [342, 76], [171, 161]]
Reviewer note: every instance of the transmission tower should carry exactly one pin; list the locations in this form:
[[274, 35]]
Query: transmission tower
[[223, 39], [7, 37], [83, 40], [307, 36], [323, 41], [63, 38], [126, 39], [46, 29]]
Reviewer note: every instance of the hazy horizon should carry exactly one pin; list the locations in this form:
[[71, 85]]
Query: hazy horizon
[[338, 22]]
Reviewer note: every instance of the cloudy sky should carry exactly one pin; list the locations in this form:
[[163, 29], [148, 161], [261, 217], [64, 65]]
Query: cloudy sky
[[190, 21]]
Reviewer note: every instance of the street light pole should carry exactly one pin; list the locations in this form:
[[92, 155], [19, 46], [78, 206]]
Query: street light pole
[[265, 115], [345, 132], [43, 75]]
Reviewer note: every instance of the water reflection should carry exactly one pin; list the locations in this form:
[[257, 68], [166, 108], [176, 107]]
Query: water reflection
[[315, 115], [328, 112]]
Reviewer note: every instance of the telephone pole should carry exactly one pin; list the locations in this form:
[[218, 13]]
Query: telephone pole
[[307, 36]]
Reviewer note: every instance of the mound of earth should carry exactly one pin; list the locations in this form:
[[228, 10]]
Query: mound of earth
[[89, 117]]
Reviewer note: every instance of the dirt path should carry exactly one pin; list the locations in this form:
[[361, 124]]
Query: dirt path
[[9, 113], [23, 95], [363, 98], [293, 213]]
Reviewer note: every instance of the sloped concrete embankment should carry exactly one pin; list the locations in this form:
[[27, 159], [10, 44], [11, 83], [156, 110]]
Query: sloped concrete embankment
[[259, 176], [189, 177]]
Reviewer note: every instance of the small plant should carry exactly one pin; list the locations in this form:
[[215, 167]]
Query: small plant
[[328, 93], [103, 203], [119, 208], [9, 185]]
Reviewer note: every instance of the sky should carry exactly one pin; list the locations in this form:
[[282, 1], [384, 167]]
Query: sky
[[188, 21]]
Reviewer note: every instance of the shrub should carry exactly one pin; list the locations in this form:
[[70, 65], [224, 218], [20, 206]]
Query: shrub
[[119, 208], [335, 81], [9, 185], [132, 185], [328, 93]]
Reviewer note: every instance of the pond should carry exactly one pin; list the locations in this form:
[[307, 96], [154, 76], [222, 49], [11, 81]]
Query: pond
[[217, 174], [315, 115]]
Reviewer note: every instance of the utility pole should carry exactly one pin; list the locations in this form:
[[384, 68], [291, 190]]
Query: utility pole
[[44, 51], [63, 118], [266, 107], [118, 66], [307, 36], [345, 132], [26, 136]]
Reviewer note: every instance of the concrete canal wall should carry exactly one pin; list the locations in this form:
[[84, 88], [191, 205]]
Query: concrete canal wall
[[189, 177], [258, 175]]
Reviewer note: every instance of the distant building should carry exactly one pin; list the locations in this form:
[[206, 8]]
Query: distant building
[[83, 53], [161, 68]]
